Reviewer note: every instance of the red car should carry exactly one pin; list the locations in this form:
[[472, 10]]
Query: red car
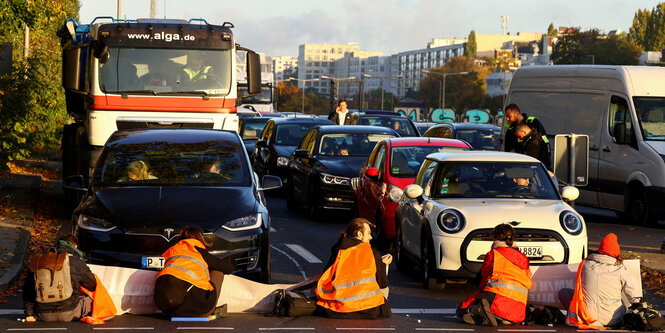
[[393, 163]]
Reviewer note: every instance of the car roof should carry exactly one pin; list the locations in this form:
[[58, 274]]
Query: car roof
[[328, 129], [301, 120], [481, 156], [457, 126], [423, 141], [385, 112], [381, 115], [256, 119], [169, 135]]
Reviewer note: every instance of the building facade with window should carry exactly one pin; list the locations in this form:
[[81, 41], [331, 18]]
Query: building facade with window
[[284, 67], [316, 60]]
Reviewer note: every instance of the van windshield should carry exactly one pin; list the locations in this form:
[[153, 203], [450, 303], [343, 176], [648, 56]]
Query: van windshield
[[651, 115]]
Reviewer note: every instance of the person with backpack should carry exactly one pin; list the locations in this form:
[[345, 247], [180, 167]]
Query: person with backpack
[[191, 281], [505, 284], [52, 288], [601, 280], [351, 287]]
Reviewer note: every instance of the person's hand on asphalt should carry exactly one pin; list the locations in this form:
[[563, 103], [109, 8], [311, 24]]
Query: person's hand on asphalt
[[387, 259], [30, 319]]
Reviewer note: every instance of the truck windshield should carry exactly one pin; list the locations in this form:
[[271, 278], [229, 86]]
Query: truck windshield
[[264, 97], [166, 71], [650, 113]]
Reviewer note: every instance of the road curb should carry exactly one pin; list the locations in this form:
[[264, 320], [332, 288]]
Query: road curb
[[17, 264]]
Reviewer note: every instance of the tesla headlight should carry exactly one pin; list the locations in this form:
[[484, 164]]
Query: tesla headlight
[[282, 161], [95, 224], [450, 221], [335, 180], [570, 222], [244, 223]]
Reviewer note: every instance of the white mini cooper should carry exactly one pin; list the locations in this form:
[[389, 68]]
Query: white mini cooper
[[445, 219]]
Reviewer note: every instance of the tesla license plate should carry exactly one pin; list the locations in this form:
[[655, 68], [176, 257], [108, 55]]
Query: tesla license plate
[[532, 251], [153, 262]]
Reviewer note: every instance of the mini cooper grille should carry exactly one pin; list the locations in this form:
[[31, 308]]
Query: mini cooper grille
[[520, 236]]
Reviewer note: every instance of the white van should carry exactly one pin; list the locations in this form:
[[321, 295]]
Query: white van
[[622, 110]]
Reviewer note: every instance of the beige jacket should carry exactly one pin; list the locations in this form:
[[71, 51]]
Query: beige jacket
[[603, 282]]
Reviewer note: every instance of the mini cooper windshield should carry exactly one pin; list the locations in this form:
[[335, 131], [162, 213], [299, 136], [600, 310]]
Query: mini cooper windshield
[[492, 180], [213, 163]]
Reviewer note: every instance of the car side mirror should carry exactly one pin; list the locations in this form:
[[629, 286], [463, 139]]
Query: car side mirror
[[570, 193], [75, 183], [262, 143], [372, 173], [269, 182], [620, 133], [413, 191], [301, 153], [395, 194]]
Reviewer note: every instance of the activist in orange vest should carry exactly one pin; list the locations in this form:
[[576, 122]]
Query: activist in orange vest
[[601, 280], [355, 277], [505, 284], [191, 281]]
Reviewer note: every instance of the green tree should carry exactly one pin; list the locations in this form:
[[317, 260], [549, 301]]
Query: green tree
[[590, 47], [32, 104], [551, 31], [648, 29], [470, 47]]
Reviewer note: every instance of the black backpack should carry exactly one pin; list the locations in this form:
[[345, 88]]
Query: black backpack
[[290, 303], [643, 316]]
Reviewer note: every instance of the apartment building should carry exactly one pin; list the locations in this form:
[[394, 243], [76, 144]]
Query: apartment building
[[284, 67], [316, 60]]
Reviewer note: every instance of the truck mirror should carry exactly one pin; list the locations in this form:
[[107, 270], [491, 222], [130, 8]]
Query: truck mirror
[[253, 73], [100, 50], [71, 68], [620, 133]]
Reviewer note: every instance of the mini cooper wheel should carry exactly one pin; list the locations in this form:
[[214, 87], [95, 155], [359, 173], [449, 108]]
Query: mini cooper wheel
[[428, 264], [401, 261]]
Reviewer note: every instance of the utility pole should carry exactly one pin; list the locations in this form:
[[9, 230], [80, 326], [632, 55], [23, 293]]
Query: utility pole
[[332, 95], [26, 38], [119, 11], [504, 23], [153, 9]]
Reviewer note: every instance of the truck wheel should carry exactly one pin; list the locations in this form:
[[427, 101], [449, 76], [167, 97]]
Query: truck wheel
[[428, 264], [638, 211]]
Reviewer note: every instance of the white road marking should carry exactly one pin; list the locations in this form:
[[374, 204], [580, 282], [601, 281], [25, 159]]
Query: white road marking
[[304, 253], [38, 329], [205, 328], [272, 229], [522, 330], [295, 262], [287, 329], [365, 328], [123, 328], [423, 311], [444, 329]]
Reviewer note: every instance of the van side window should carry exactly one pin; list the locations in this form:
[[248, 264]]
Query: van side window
[[620, 114]]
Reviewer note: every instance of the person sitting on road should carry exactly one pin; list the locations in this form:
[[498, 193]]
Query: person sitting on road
[[504, 286], [39, 304], [191, 281], [601, 281], [353, 259]]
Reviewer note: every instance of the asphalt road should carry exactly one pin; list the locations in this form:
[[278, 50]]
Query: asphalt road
[[300, 248]]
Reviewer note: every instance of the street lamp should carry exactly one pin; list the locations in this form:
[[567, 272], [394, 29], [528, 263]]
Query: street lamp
[[304, 85], [443, 84], [334, 81], [382, 83]]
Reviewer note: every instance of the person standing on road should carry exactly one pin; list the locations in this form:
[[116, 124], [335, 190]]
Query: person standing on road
[[513, 118], [191, 281], [41, 305], [353, 283], [531, 143], [504, 286], [341, 115], [601, 281]]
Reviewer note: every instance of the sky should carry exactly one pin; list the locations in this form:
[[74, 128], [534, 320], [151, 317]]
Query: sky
[[278, 27]]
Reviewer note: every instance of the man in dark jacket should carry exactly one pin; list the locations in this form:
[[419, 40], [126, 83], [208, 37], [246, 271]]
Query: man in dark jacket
[[532, 144], [341, 116], [78, 305], [513, 118]]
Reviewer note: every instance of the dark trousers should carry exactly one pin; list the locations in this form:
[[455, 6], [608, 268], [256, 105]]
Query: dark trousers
[[82, 309]]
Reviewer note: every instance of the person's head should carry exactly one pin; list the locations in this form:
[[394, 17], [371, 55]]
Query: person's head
[[513, 114], [216, 167], [193, 232], [610, 246], [341, 105], [195, 60], [505, 233], [521, 181], [522, 131], [137, 170], [359, 229], [396, 125]]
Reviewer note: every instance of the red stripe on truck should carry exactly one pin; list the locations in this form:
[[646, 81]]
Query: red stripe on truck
[[159, 103]]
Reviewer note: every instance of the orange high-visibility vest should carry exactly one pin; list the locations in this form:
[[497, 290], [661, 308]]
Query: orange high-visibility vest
[[349, 285], [103, 307], [186, 263], [508, 279], [577, 311]]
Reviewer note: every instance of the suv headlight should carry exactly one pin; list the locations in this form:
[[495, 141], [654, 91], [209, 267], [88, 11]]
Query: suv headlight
[[244, 223], [570, 222], [336, 180], [95, 224], [282, 161], [450, 221]]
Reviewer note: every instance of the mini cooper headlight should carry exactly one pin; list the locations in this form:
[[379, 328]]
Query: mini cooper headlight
[[95, 224], [570, 222], [282, 161], [335, 180], [450, 221], [244, 223]]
